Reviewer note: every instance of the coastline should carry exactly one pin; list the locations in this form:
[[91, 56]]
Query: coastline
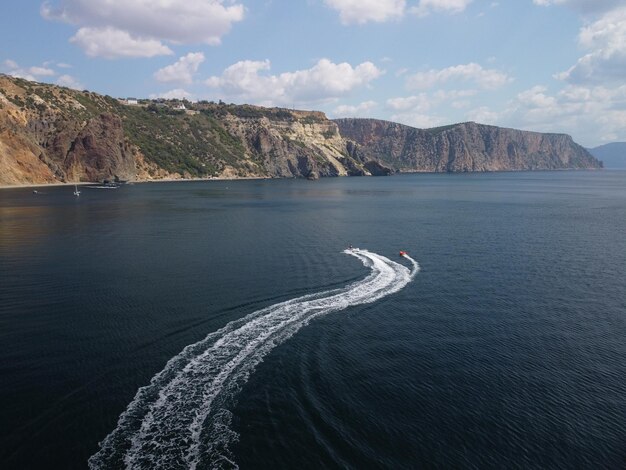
[[236, 178], [163, 180], [41, 185]]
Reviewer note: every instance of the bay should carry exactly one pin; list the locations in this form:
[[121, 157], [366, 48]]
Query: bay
[[505, 350]]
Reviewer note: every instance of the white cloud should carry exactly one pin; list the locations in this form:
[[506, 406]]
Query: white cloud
[[112, 43], [246, 80], [484, 115], [458, 99], [593, 102], [536, 97], [181, 71], [70, 82], [419, 102], [33, 73], [177, 93], [426, 7], [422, 110], [605, 41], [443, 95], [42, 71], [485, 78], [362, 109], [145, 23], [363, 11], [419, 120], [424, 102]]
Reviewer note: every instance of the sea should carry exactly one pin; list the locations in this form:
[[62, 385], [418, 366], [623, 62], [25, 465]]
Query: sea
[[274, 324]]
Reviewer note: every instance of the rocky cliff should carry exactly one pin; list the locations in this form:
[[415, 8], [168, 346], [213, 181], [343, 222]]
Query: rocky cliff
[[613, 155], [50, 134], [284, 143], [463, 147], [54, 134]]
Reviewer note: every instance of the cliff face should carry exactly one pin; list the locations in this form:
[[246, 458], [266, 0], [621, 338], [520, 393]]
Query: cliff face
[[100, 151], [291, 143], [613, 155], [464, 147], [47, 135], [51, 134]]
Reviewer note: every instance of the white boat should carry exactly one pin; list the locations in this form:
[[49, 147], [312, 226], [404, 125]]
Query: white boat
[[76, 191]]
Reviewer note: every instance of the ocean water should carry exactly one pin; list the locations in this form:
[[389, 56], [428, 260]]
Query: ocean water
[[224, 324]]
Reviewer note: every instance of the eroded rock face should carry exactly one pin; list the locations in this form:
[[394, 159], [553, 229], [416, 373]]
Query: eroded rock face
[[56, 140], [99, 152], [94, 150], [464, 147], [21, 159], [307, 145]]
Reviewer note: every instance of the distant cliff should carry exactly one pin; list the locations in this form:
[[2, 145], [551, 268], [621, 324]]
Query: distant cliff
[[613, 155], [53, 134], [463, 147]]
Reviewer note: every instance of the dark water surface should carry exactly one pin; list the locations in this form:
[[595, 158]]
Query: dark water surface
[[507, 350]]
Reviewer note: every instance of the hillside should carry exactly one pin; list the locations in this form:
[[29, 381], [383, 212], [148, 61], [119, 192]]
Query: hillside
[[53, 134], [50, 134], [613, 155], [463, 147]]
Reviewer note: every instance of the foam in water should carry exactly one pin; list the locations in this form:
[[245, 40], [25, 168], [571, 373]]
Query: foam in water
[[181, 419]]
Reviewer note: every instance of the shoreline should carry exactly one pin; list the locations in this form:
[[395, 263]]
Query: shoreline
[[40, 185], [163, 180], [246, 178]]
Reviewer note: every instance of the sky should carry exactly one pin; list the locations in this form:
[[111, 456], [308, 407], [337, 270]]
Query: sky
[[543, 65]]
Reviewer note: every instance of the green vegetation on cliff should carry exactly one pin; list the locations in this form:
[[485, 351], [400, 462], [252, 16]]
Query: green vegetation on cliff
[[161, 138], [179, 142]]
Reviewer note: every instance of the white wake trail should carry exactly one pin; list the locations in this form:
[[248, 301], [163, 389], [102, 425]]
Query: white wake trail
[[416, 266], [181, 418]]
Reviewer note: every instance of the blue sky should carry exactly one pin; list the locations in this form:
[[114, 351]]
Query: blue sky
[[546, 65]]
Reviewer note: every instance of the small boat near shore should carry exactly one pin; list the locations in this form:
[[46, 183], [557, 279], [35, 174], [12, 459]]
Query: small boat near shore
[[106, 184]]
